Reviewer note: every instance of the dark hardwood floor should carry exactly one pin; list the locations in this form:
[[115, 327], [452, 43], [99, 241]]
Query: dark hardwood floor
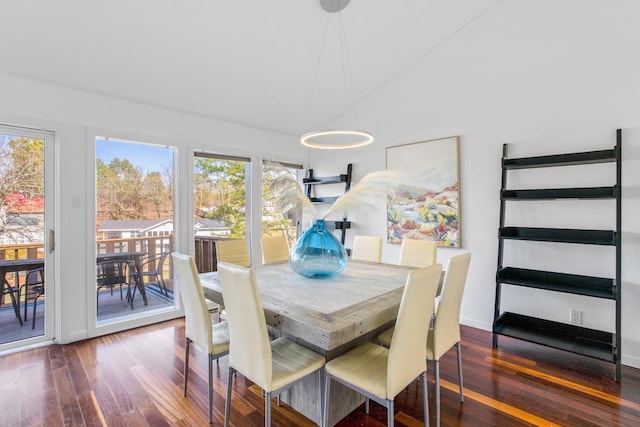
[[134, 378]]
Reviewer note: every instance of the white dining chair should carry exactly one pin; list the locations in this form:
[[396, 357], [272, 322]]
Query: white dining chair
[[274, 249], [234, 251], [273, 366], [381, 373], [213, 338], [367, 248], [418, 253], [445, 332]]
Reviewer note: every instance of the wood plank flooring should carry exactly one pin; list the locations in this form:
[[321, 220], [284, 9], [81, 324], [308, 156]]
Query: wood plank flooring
[[134, 378], [111, 306]]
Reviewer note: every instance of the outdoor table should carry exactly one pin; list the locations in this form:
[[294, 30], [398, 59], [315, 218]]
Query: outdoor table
[[136, 257]]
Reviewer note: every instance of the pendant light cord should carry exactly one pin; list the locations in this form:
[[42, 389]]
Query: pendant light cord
[[315, 77]]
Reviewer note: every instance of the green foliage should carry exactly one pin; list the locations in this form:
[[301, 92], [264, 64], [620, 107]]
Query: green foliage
[[119, 189], [223, 184]]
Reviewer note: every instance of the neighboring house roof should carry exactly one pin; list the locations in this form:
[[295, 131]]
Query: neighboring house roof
[[149, 224], [132, 224], [200, 223]]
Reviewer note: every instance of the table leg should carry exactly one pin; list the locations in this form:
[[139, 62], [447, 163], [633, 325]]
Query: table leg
[[139, 280]]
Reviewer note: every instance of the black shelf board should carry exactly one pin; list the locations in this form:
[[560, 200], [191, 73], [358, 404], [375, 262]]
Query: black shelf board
[[584, 158], [342, 225], [598, 287], [325, 180], [572, 338], [560, 235], [323, 199], [561, 193], [338, 225]]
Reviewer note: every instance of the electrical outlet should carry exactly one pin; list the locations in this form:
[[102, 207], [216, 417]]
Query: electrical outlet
[[575, 317]]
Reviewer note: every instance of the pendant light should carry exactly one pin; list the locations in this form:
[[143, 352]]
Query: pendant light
[[334, 139]]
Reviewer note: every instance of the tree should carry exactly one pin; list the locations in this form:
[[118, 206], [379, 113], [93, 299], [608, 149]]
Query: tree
[[155, 192], [22, 181], [119, 190], [22, 167], [224, 183]]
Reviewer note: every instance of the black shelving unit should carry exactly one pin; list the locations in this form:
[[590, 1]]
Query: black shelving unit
[[589, 342], [311, 181]]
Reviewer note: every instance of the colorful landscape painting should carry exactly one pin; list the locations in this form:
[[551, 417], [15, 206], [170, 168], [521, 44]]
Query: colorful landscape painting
[[426, 205]]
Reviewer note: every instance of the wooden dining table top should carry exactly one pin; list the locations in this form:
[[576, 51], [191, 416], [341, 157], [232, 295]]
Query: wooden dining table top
[[328, 314]]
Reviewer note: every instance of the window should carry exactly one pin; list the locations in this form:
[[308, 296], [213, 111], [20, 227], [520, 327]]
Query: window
[[275, 221]]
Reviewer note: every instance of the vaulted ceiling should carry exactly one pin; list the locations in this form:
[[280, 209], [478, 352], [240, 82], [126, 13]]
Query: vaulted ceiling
[[253, 62]]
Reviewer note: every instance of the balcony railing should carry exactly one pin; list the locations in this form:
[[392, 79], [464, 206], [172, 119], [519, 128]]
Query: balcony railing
[[205, 253]]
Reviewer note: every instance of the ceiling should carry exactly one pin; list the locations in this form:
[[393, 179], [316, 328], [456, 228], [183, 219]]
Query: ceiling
[[252, 62]]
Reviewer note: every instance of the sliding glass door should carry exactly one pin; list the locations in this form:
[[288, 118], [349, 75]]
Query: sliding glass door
[[26, 236]]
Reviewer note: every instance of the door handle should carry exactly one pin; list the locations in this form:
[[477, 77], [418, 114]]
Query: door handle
[[52, 240]]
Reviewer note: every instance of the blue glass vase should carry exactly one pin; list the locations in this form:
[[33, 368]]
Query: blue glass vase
[[318, 253]]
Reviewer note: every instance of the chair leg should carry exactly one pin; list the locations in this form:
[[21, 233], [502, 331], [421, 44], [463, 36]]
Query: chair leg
[[459, 350], [210, 386], [163, 286], [325, 405], [33, 320], [267, 409], [227, 406], [26, 292], [16, 305], [187, 341], [437, 375], [390, 413], [320, 396], [425, 399]]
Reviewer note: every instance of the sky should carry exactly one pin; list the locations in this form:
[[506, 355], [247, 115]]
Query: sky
[[150, 158]]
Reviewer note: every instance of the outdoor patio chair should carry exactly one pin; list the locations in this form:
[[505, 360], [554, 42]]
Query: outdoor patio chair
[[110, 274], [153, 271], [33, 288]]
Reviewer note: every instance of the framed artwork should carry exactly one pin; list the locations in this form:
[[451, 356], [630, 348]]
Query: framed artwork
[[425, 203]]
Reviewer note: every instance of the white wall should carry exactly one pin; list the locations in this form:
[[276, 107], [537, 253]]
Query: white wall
[[553, 82], [74, 116]]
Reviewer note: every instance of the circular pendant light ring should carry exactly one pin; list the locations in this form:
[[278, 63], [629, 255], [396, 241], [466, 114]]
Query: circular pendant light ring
[[336, 139]]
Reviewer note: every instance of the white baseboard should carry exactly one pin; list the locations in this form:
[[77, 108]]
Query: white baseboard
[[485, 326], [632, 361]]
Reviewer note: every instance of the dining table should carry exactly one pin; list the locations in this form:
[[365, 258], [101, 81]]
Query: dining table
[[328, 315], [15, 266], [136, 258]]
